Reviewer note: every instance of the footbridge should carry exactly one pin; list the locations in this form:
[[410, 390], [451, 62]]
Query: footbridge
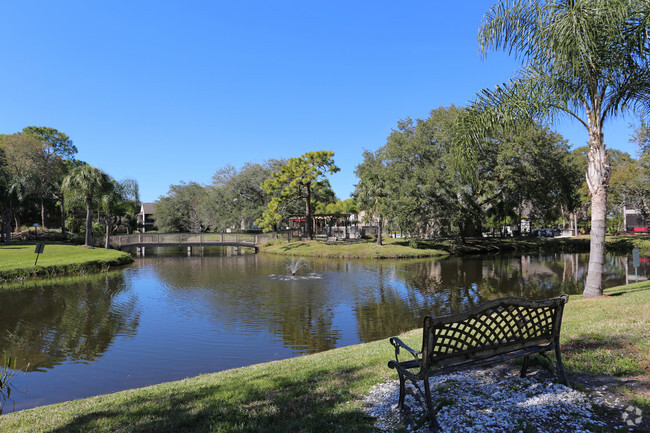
[[189, 240]]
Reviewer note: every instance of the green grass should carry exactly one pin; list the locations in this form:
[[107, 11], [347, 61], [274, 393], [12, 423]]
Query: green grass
[[625, 244], [392, 249], [609, 336], [414, 248], [321, 392], [17, 261]]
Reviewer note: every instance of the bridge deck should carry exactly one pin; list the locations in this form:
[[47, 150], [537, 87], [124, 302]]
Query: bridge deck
[[190, 240]]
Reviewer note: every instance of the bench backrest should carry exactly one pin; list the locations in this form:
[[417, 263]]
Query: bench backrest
[[490, 329]]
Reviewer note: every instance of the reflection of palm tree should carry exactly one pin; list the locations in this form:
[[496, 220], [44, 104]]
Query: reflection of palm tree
[[77, 321]]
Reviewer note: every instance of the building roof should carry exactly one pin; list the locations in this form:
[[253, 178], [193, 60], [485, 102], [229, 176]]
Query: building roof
[[148, 208]]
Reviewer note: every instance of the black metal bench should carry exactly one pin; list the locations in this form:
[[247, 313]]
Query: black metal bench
[[496, 330]]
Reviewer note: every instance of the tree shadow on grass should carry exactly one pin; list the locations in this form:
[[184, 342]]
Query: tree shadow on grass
[[593, 354], [625, 290], [293, 245], [314, 402]]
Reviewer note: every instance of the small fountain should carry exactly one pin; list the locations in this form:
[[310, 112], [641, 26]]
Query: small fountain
[[294, 265]]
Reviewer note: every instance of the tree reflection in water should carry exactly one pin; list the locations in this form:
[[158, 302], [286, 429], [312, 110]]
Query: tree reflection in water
[[387, 297], [48, 324], [241, 292]]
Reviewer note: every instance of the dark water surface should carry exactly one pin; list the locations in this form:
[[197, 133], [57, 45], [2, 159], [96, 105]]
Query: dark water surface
[[171, 316]]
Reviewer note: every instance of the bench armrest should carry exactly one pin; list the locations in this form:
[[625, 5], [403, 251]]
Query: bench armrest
[[397, 343]]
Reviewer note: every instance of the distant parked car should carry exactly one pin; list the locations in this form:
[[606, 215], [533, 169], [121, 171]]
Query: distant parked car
[[545, 233]]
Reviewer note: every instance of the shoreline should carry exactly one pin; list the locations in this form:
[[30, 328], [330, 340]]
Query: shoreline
[[393, 248], [97, 260], [57, 260]]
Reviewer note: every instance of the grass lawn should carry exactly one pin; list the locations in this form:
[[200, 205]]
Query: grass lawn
[[414, 248], [17, 261], [606, 336], [411, 248], [392, 248]]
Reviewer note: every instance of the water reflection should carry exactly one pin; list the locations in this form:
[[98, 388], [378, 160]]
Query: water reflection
[[534, 277], [46, 325], [381, 298], [239, 292]]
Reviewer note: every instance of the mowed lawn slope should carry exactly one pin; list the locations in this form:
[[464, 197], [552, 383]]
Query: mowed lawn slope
[[17, 261]]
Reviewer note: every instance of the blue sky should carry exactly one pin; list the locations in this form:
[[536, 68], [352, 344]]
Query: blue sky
[[170, 91]]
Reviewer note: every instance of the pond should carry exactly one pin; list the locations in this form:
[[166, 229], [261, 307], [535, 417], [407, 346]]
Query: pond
[[170, 316]]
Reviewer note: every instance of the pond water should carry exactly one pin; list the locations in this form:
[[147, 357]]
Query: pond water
[[170, 316]]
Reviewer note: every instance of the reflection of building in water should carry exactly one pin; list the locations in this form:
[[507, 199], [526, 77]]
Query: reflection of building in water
[[543, 266]]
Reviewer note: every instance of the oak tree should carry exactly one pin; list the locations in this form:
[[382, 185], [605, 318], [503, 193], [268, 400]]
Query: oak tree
[[296, 181]]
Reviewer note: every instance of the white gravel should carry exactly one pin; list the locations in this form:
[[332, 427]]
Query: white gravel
[[487, 401]]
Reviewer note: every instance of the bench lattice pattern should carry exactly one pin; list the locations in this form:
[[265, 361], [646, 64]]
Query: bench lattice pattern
[[495, 327]]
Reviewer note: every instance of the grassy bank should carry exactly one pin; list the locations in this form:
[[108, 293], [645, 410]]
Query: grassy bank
[[315, 393], [625, 244], [17, 261], [407, 248], [368, 249]]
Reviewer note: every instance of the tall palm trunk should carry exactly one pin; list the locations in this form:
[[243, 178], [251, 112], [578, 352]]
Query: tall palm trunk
[[60, 197], [598, 172], [308, 213], [89, 224], [62, 218], [380, 228], [42, 213], [107, 243], [593, 286]]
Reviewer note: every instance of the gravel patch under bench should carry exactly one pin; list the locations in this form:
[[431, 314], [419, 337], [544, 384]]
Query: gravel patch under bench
[[489, 400]]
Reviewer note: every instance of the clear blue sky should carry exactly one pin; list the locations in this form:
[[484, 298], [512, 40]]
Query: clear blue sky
[[170, 91]]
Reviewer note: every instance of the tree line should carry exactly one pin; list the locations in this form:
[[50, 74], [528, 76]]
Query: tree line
[[261, 195], [41, 180], [414, 184]]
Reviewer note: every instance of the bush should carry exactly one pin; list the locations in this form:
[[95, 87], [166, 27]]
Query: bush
[[73, 225]]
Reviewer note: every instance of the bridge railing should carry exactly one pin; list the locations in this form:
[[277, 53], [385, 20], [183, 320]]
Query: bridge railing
[[119, 241]]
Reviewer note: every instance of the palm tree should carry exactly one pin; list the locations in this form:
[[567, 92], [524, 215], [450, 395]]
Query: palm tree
[[117, 200], [587, 59], [86, 182]]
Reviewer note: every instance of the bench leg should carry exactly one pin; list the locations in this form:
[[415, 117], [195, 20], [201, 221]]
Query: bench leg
[[561, 374], [524, 368], [430, 413], [402, 391]]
